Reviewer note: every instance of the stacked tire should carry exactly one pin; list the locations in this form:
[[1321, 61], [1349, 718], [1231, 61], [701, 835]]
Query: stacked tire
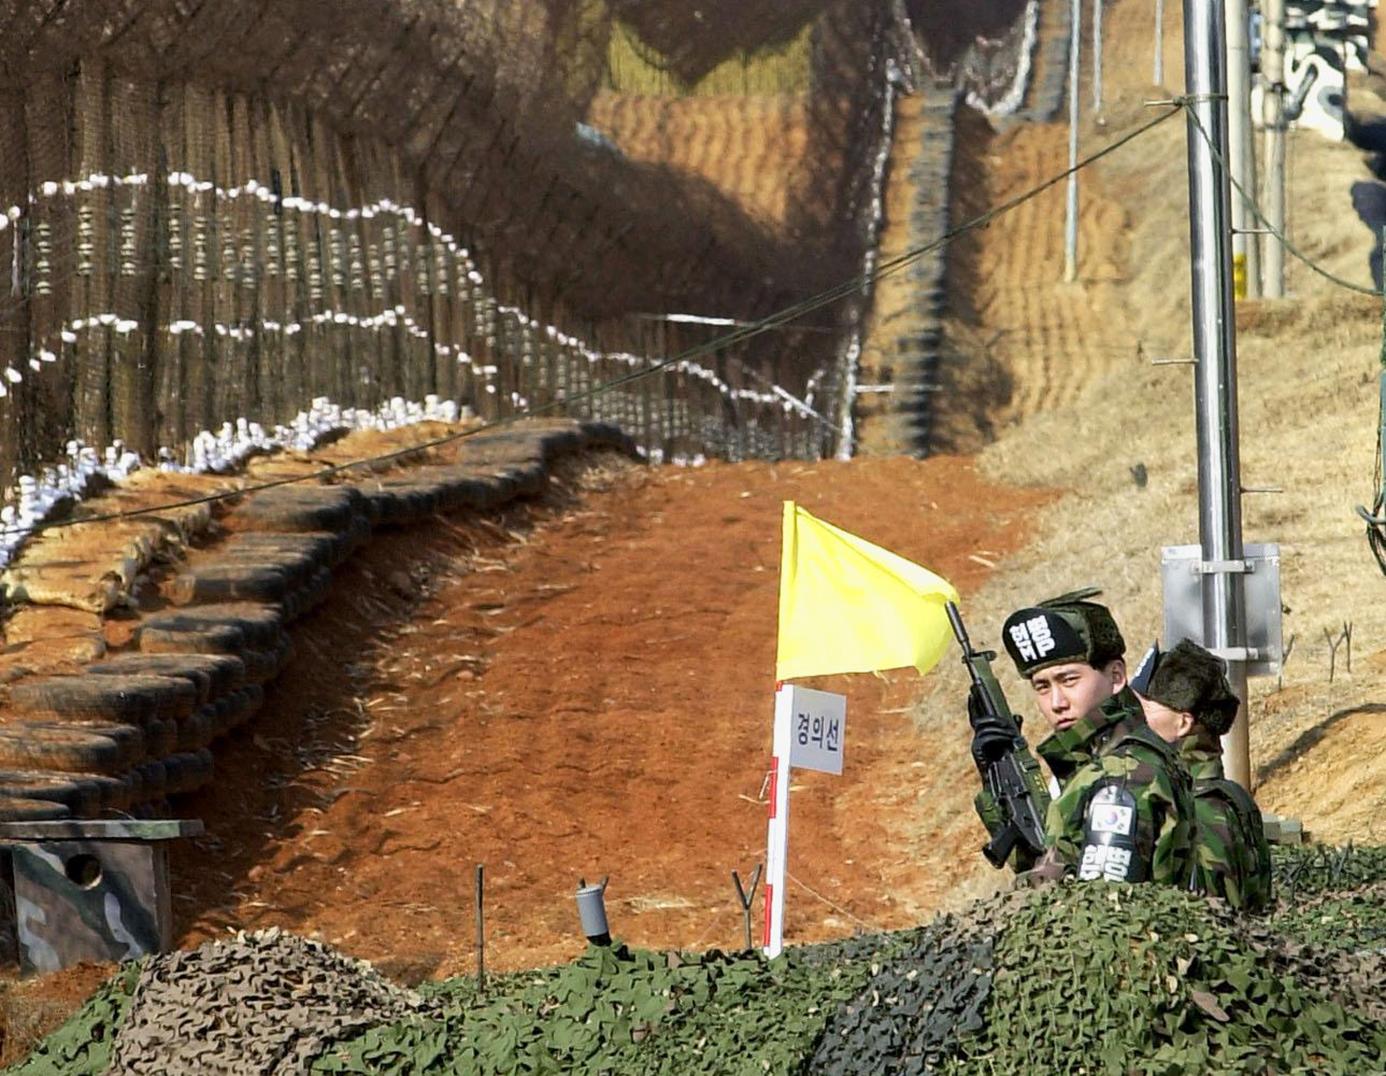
[[140, 726]]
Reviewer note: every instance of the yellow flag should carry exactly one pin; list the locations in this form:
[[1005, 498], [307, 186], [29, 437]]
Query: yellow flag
[[849, 606]]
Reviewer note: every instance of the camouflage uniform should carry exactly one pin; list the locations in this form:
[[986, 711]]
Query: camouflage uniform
[[1125, 808], [1090, 737], [1233, 856], [1065, 753], [1234, 860], [1140, 782]]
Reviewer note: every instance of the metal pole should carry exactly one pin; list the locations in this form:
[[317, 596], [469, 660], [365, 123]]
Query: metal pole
[[1245, 248], [1159, 77], [480, 928], [1273, 68], [1071, 222], [1215, 351], [1097, 57]]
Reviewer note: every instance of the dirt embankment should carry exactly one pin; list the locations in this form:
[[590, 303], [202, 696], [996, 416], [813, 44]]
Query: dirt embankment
[[1092, 415], [749, 147], [585, 689]]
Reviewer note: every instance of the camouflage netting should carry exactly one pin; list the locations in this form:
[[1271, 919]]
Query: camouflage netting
[[264, 1002], [1305, 870], [1075, 978], [230, 208]]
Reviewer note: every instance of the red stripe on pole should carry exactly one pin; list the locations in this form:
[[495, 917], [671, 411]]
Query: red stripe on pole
[[774, 782], [769, 911]]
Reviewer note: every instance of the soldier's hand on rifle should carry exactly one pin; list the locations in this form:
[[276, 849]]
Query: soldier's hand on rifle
[[991, 738]]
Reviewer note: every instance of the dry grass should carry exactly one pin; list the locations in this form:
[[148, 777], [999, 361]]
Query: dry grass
[[1308, 408]]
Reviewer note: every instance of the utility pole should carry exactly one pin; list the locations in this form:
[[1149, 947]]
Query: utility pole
[[1273, 69], [1159, 76], [1075, 39], [1215, 356], [1245, 248], [1097, 57]]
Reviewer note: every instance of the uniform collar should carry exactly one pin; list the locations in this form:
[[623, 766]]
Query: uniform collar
[[1074, 747], [1201, 754]]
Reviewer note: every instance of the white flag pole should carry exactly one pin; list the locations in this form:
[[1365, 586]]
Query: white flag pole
[[777, 833]]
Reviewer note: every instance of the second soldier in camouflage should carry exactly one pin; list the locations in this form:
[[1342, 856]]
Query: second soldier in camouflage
[[1185, 694]]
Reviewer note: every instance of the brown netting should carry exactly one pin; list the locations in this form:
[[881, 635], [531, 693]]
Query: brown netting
[[692, 39], [950, 37], [227, 209]]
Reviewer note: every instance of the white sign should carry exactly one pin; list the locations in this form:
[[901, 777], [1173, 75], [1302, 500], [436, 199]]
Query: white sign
[[819, 722], [809, 730]]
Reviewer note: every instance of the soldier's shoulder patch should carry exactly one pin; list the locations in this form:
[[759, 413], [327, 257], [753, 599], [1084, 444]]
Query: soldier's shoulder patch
[[1112, 811]]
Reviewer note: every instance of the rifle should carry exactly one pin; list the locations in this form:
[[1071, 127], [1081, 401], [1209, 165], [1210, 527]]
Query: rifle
[[1002, 776]]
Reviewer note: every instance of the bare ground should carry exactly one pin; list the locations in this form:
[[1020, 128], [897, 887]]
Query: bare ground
[[586, 691]]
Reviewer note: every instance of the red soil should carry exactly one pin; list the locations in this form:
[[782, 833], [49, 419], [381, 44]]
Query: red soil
[[585, 690]]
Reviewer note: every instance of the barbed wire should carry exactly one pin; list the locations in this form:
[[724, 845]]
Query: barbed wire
[[850, 286]]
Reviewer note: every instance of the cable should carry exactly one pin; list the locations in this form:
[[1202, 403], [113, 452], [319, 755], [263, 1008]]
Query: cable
[[747, 332], [1261, 218], [1376, 524]]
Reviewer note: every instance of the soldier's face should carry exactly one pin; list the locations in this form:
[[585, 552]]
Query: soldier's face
[[1067, 693], [1170, 725]]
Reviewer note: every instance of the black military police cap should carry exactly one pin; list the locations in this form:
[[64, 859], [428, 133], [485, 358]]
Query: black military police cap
[[1190, 679], [1063, 629]]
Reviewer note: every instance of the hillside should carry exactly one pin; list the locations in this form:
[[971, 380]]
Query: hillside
[[580, 686], [1308, 394]]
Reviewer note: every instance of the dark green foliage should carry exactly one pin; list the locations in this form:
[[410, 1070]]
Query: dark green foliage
[[82, 1046]]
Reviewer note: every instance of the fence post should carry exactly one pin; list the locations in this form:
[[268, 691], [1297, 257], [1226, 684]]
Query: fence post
[[14, 300]]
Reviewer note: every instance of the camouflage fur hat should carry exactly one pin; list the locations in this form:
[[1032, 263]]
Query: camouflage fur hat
[[1063, 629], [1190, 679]]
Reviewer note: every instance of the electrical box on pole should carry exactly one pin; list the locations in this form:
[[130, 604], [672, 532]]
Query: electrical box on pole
[[1182, 569]]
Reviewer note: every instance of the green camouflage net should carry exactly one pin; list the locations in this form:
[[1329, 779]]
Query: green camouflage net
[[1087, 978], [1303, 870], [83, 1045], [1148, 979], [631, 1011], [1353, 920]]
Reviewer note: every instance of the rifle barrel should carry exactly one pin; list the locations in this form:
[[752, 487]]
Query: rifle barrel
[[959, 629]]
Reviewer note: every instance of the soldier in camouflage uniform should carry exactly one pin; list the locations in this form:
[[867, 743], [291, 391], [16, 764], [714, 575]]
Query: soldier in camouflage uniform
[[1122, 805], [1185, 695], [1126, 816], [1071, 652]]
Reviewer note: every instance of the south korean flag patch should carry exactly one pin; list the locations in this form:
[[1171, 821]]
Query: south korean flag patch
[[1109, 839]]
